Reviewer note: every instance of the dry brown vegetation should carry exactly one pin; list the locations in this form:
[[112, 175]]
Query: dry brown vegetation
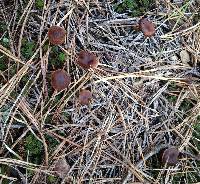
[[145, 94]]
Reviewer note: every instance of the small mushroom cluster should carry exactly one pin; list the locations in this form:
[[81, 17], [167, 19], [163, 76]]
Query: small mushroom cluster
[[60, 79]]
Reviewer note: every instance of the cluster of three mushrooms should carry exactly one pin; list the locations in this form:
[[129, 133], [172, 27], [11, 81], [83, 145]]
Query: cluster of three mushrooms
[[60, 79]]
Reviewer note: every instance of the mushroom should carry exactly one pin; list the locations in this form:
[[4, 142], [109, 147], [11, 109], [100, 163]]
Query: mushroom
[[56, 35], [87, 60], [60, 80], [85, 96], [147, 27], [170, 156]]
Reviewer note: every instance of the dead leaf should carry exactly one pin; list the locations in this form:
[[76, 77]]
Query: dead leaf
[[61, 168], [185, 57]]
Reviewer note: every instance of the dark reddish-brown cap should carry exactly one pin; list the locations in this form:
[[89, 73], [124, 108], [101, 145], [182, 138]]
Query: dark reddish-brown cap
[[85, 96], [60, 80], [170, 156], [56, 35], [87, 60], [147, 27]]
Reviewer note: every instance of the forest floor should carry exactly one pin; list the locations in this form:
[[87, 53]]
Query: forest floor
[[146, 92]]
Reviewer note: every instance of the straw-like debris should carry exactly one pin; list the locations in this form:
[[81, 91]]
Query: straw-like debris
[[145, 98]]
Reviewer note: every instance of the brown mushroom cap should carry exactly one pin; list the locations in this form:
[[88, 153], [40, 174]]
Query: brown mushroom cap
[[60, 80], [56, 35], [85, 97], [170, 156], [87, 60], [147, 27]]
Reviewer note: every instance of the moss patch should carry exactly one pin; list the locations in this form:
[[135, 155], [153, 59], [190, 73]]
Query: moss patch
[[3, 63], [57, 57], [34, 148], [28, 48], [135, 8], [39, 4]]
